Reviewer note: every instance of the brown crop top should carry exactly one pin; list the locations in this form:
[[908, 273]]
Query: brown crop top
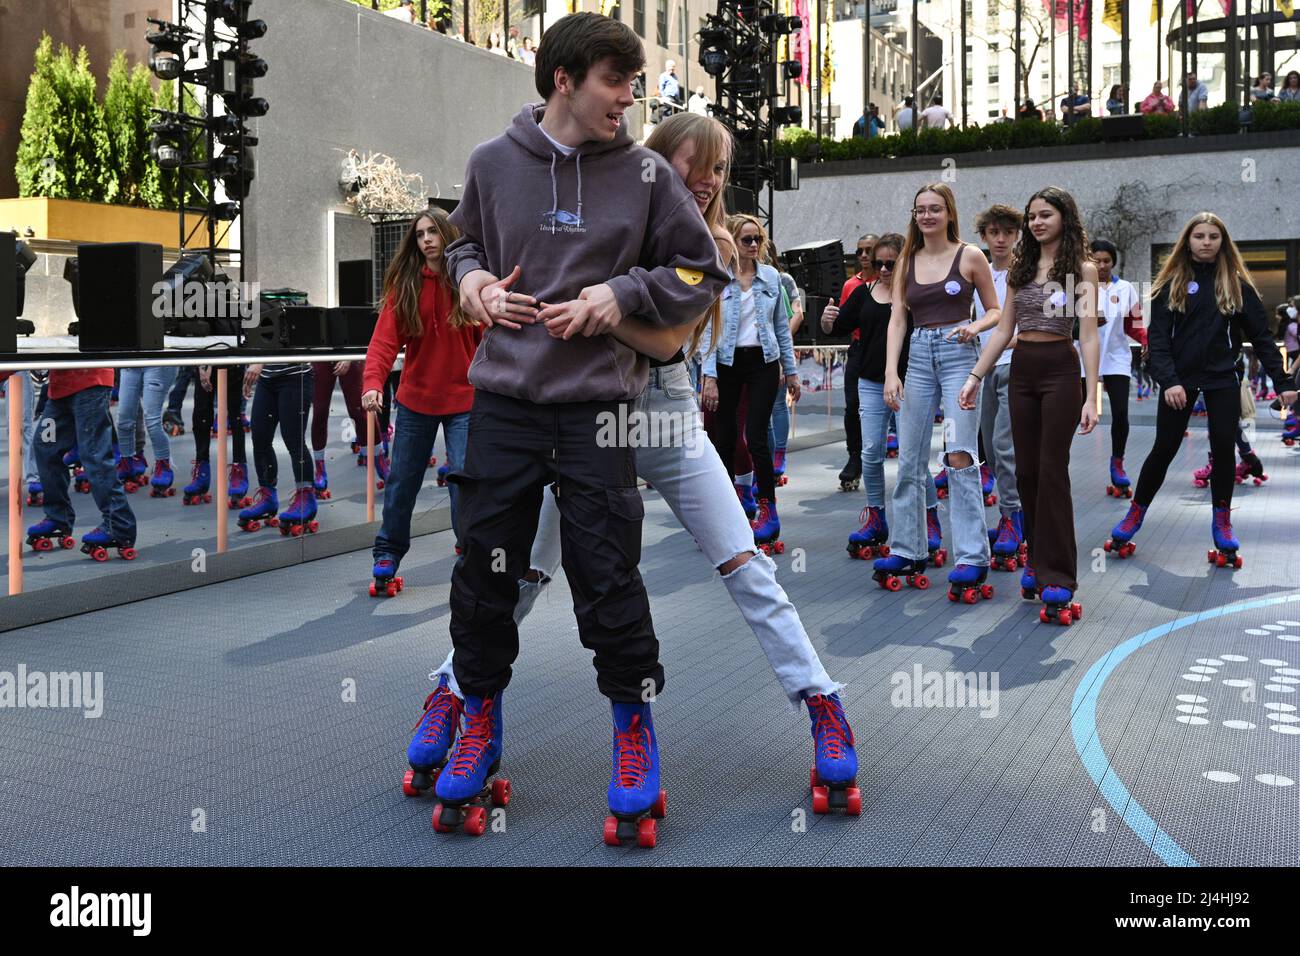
[[1034, 313], [942, 303]]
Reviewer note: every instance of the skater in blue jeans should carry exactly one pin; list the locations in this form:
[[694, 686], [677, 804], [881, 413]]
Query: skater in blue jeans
[[938, 276], [145, 388], [422, 314]]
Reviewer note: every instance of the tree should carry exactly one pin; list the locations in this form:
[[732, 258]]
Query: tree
[[1036, 32], [64, 152], [127, 100]]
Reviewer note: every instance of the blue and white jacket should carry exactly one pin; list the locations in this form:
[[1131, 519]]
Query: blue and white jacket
[[770, 315]]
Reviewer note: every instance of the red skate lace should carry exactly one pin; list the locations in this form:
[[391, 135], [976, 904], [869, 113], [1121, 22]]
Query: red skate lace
[[263, 494], [475, 740], [445, 706], [1006, 531], [1131, 519], [299, 500], [159, 466], [1119, 472], [829, 726], [194, 472], [761, 518], [238, 471], [931, 522], [633, 758], [1223, 520]]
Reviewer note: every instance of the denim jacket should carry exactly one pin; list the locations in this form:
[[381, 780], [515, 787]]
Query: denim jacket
[[770, 315]]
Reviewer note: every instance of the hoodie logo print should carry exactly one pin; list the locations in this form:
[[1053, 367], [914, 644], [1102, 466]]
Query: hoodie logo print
[[690, 276], [561, 220]]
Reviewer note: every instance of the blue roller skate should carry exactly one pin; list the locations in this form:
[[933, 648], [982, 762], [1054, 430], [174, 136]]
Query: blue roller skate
[[72, 461], [300, 517], [466, 780], [443, 472], [834, 776], [435, 732], [1120, 485], [1121, 536], [635, 800], [321, 482], [1009, 545], [1029, 589], [137, 475], [1198, 407], [196, 492], [941, 483], [42, 535], [746, 495], [160, 485], [1291, 430], [237, 487], [1059, 606], [386, 579], [767, 528], [1225, 542], [934, 538], [890, 573], [871, 540], [891, 446], [986, 486], [261, 512], [381, 466], [98, 542], [968, 583], [35, 494], [778, 466]]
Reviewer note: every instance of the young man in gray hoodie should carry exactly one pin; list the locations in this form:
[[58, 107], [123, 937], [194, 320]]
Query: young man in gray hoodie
[[568, 227]]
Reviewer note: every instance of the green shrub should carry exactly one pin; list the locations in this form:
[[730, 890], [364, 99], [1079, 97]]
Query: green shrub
[[1218, 120], [1162, 125], [1269, 117], [1086, 130]]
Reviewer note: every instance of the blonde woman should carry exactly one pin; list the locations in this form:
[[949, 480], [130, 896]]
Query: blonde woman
[[1203, 304], [686, 471]]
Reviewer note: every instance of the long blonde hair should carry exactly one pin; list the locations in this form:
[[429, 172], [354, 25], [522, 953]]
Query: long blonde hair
[[915, 240], [1229, 272], [713, 144], [403, 279]]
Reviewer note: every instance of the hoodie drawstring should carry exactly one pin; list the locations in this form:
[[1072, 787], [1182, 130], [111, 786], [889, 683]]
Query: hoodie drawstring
[[579, 165], [555, 202]]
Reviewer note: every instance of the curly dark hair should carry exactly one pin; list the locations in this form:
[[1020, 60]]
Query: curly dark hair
[[1071, 255]]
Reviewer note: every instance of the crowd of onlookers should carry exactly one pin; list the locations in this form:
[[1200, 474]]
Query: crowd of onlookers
[[1075, 105]]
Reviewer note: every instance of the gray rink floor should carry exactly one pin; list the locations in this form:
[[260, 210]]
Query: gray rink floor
[[226, 705]]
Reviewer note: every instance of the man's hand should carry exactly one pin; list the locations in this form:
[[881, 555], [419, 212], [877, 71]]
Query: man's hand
[[1176, 397], [594, 312], [1289, 398], [341, 369], [250, 379], [488, 300], [205, 377]]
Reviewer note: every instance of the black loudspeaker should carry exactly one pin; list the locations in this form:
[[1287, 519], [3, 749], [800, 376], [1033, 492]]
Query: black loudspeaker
[[817, 267], [350, 327], [288, 327], [8, 292], [740, 199], [1117, 128], [116, 292], [355, 283]]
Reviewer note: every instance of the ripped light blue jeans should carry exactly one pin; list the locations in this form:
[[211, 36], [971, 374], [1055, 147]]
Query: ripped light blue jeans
[[875, 415], [937, 368], [680, 463]]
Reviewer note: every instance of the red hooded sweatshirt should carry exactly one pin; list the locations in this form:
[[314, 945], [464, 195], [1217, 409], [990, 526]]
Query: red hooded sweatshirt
[[435, 379]]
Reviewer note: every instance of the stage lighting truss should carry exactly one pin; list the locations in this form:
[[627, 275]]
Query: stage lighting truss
[[207, 139]]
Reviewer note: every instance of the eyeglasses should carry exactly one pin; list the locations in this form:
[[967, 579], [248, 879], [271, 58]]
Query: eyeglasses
[[751, 240], [932, 210], [880, 265]]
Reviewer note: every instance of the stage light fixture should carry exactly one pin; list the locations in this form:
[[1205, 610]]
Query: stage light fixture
[[787, 115], [166, 50], [792, 69], [224, 211]]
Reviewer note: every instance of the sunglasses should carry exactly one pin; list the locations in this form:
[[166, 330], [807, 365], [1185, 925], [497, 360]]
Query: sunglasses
[[751, 240], [880, 265], [864, 252]]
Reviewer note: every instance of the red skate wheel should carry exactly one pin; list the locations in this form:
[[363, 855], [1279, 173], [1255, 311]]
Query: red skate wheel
[[313, 527], [99, 554], [43, 544], [69, 544], [986, 591], [883, 551], [437, 820], [380, 484], [922, 582], [475, 821], [1064, 617], [373, 591], [1107, 546], [659, 809], [1011, 564], [273, 522], [171, 492], [1220, 560], [940, 557], [611, 831], [1129, 549], [127, 554], [407, 788], [500, 792], [952, 596], [893, 584], [1236, 562], [1042, 615], [1076, 611], [296, 531], [970, 597], [779, 547], [812, 778], [821, 800], [853, 802], [646, 834], [1109, 491], [400, 583]]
